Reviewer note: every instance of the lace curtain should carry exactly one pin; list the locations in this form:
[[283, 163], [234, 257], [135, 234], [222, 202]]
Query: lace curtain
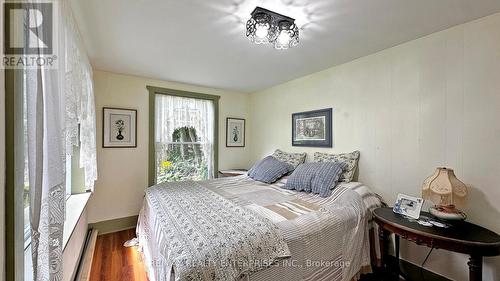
[[60, 114], [80, 127], [173, 112]]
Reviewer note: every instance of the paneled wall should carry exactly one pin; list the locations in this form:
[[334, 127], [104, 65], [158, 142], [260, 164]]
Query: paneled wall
[[430, 102]]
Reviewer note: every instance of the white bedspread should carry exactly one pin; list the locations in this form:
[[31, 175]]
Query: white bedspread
[[327, 237]]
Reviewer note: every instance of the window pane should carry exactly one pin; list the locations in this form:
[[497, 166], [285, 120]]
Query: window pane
[[26, 186], [25, 149], [180, 162], [187, 123], [68, 174]]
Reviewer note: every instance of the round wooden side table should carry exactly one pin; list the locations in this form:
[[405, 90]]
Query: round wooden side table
[[461, 237]]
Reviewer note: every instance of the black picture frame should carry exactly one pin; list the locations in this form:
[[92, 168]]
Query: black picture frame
[[325, 137], [242, 122], [106, 127]]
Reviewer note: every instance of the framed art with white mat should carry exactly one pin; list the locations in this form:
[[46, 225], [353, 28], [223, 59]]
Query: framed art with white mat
[[119, 128], [235, 132], [313, 128]]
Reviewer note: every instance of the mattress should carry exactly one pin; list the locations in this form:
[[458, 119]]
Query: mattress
[[326, 238]]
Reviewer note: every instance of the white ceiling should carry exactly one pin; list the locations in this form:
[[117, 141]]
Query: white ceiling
[[203, 43]]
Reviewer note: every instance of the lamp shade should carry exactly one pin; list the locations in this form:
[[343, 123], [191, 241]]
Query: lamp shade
[[443, 188]]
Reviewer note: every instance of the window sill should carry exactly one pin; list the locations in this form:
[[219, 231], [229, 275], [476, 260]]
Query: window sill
[[75, 205]]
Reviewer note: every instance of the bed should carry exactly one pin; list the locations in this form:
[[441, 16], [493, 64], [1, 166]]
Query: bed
[[240, 229]]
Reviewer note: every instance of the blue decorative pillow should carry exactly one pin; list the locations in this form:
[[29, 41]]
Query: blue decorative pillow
[[269, 170], [318, 178]]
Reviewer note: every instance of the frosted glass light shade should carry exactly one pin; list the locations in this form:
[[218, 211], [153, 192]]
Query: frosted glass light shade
[[443, 188], [261, 29], [288, 36]]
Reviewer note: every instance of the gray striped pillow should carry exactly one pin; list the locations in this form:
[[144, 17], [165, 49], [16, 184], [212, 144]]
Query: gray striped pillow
[[269, 170], [318, 178]]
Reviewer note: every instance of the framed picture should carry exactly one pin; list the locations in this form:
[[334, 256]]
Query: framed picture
[[408, 206], [235, 132], [312, 128], [119, 128]]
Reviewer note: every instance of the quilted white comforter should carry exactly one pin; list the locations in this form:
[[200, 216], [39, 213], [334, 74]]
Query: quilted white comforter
[[240, 229]]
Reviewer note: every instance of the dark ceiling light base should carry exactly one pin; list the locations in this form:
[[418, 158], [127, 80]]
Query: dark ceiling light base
[[266, 26], [276, 16]]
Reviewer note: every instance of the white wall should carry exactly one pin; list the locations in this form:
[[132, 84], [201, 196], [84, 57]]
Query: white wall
[[430, 102], [123, 172]]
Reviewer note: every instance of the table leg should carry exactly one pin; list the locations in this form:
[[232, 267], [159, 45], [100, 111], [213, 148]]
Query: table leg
[[383, 237], [396, 240], [373, 250], [475, 268]]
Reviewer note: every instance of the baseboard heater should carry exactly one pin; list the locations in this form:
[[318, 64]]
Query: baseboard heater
[[85, 262]]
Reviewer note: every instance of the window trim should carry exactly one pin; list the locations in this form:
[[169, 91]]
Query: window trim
[[153, 91], [14, 207]]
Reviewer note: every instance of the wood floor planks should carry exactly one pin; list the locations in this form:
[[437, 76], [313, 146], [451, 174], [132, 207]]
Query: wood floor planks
[[113, 262]]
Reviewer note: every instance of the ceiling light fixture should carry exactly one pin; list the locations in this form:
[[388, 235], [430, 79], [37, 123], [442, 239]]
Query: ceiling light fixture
[[268, 27]]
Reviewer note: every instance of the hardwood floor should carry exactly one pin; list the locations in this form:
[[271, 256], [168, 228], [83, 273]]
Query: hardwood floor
[[114, 262]]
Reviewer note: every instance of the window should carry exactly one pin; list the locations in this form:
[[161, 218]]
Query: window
[[74, 183], [43, 107], [183, 144]]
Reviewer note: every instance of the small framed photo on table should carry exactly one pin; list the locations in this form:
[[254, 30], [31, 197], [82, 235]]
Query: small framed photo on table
[[119, 128], [235, 132], [408, 206]]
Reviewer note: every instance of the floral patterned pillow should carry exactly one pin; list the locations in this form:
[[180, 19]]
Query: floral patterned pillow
[[351, 159], [293, 159]]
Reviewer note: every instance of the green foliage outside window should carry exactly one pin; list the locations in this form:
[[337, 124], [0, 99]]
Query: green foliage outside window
[[183, 160]]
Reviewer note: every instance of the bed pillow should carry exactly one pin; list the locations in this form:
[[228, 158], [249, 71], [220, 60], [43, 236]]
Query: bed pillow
[[351, 159], [293, 159], [269, 170], [318, 178]]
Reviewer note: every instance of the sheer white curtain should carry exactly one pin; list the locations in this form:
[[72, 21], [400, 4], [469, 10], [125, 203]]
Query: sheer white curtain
[[173, 112], [59, 104], [46, 173], [80, 124]]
